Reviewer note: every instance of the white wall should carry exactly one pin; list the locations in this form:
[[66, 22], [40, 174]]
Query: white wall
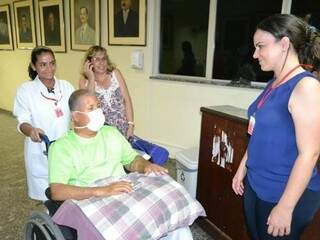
[[166, 112]]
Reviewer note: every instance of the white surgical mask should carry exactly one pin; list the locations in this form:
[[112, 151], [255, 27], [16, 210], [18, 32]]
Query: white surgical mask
[[96, 120]]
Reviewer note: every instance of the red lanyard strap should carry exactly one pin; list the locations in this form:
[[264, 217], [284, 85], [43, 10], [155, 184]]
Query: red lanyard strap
[[55, 100], [271, 88], [265, 97]]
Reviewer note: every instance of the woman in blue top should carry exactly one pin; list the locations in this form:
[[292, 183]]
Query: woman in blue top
[[277, 174]]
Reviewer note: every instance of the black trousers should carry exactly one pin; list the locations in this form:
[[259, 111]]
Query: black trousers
[[257, 212]]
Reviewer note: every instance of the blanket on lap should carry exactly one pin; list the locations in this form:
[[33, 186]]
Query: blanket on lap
[[157, 206]]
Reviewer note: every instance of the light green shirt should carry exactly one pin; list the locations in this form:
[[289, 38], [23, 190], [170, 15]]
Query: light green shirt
[[81, 161]]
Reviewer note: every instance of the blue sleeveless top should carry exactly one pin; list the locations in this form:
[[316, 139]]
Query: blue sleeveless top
[[272, 148]]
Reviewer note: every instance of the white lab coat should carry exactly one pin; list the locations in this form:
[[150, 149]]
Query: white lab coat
[[30, 106]]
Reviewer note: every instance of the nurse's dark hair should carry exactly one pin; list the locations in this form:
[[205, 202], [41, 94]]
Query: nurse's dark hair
[[304, 38], [74, 100], [34, 58]]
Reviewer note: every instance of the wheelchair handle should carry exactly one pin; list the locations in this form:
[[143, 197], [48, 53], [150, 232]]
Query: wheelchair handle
[[46, 141]]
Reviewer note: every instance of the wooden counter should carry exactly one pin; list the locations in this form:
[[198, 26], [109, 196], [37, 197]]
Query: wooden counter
[[227, 127]]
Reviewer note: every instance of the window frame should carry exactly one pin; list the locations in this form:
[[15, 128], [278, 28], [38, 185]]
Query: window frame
[[286, 6]]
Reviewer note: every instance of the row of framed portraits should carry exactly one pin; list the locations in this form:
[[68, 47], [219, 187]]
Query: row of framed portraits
[[84, 24]]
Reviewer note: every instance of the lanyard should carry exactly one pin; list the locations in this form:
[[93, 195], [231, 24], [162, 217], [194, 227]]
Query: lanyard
[[271, 88], [55, 100]]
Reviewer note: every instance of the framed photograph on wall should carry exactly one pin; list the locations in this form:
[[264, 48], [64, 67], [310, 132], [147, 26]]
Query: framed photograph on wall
[[24, 24], [52, 25], [6, 42], [127, 22], [85, 23]]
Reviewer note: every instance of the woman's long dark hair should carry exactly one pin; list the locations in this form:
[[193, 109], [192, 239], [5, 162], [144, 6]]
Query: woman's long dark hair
[[34, 58], [304, 38]]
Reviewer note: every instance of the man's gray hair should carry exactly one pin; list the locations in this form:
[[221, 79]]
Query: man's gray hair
[[74, 100]]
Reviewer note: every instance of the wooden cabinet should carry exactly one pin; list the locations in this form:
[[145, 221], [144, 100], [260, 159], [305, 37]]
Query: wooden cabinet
[[222, 144]]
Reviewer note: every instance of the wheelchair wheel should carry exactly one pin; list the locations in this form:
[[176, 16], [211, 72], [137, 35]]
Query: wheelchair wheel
[[41, 227]]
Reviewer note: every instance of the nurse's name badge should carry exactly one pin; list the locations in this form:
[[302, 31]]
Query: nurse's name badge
[[58, 112]]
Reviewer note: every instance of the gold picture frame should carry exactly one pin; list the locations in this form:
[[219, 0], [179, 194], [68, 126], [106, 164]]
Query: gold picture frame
[[52, 26], [85, 24], [6, 41], [25, 24], [127, 28]]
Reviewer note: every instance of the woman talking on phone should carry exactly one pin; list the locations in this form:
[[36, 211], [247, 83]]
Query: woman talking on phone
[[41, 107], [101, 77]]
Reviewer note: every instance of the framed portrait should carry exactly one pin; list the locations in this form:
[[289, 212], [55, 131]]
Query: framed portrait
[[52, 25], [85, 23], [6, 42], [24, 24], [127, 22]]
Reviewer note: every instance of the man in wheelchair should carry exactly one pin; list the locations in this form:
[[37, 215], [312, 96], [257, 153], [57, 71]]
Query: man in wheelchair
[[90, 152], [130, 206]]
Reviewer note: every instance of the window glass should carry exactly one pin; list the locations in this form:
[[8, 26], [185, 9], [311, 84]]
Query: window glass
[[309, 10], [183, 36], [235, 25]]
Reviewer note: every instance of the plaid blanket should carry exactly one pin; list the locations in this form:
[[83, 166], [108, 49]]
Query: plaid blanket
[[157, 205]]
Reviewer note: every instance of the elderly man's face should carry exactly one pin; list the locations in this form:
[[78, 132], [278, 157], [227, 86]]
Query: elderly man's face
[[86, 104], [125, 4]]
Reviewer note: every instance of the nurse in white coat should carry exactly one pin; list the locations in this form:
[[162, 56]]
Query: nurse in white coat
[[41, 106]]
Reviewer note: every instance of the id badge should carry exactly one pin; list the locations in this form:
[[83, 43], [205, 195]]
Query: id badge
[[252, 122], [58, 112]]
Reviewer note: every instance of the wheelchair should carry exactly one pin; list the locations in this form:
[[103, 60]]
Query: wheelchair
[[40, 226]]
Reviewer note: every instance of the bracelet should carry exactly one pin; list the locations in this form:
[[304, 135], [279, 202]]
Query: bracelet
[[131, 123]]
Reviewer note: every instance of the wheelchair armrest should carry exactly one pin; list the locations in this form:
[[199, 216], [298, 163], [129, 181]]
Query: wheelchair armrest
[[48, 193], [50, 204]]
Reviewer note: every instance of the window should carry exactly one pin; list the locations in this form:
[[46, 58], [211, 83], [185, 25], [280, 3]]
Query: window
[[235, 26], [184, 33], [212, 39], [309, 10]]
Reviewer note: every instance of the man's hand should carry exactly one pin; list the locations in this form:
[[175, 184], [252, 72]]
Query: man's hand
[[115, 188], [154, 168], [143, 166], [61, 192]]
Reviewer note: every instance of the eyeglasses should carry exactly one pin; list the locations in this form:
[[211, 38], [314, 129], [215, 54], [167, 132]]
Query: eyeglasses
[[98, 59]]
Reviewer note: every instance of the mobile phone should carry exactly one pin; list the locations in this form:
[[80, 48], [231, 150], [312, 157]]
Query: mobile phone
[[90, 63]]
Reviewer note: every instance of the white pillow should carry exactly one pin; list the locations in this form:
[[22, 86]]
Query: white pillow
[[157, 206]]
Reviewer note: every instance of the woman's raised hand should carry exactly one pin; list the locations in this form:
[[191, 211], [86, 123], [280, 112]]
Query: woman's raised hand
[[88, 70]]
